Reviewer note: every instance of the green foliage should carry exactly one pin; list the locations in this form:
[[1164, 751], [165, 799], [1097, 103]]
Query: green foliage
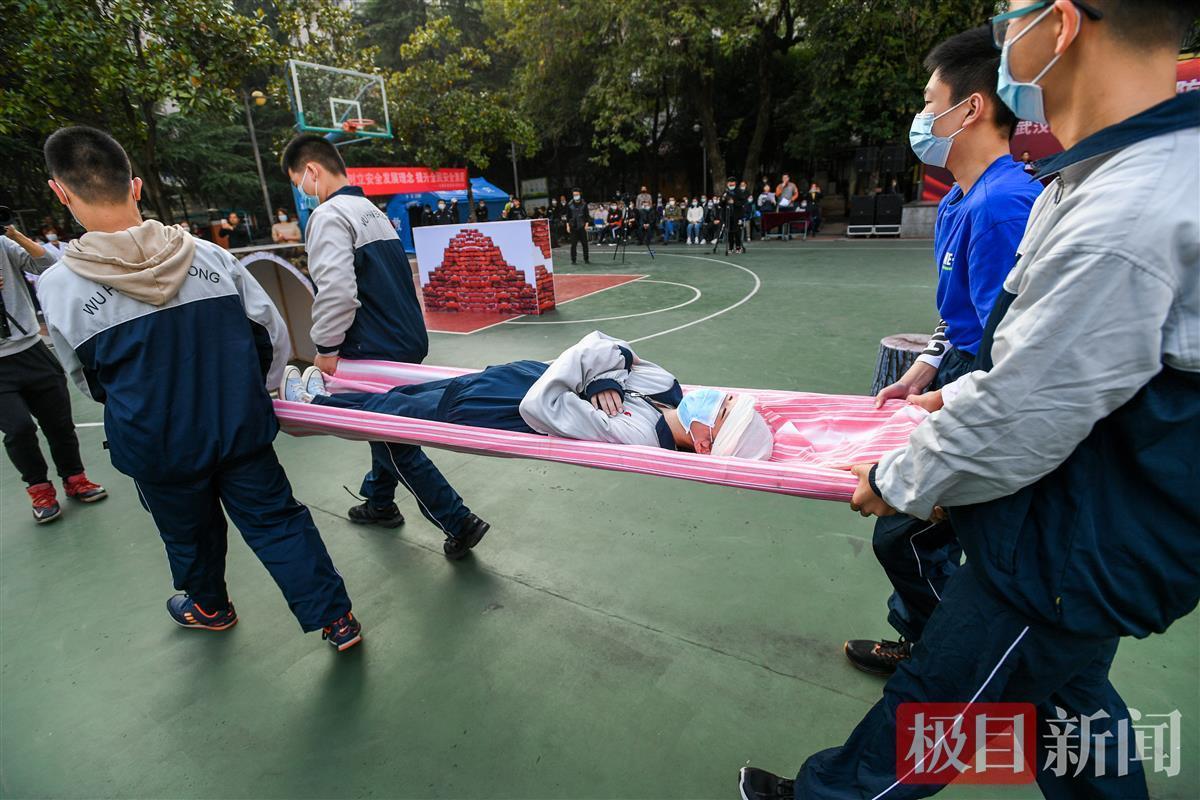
[[441, 115], [865, 58]]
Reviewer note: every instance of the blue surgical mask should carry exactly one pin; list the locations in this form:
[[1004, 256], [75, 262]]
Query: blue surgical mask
[[1025, 99], [310, 201], [701, 405], [930, 148]]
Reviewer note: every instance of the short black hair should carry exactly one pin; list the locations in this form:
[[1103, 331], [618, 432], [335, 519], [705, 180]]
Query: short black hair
[[1150, 23], [90, 163], [968, 62], [309, 147]]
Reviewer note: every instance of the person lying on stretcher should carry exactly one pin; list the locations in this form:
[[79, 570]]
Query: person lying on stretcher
[[597, 390]]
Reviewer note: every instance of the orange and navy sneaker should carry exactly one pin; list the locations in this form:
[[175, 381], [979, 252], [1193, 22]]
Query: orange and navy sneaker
[[45, 502], [78, 487], [343, 633], [187, 613]]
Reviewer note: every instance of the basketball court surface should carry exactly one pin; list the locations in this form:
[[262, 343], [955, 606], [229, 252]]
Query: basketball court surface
[[614, 636]]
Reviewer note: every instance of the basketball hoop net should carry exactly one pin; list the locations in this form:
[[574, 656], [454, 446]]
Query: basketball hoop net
[[353, 125]]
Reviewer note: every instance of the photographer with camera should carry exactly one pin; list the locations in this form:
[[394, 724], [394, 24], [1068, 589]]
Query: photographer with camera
[[732, 206], [32, 384]]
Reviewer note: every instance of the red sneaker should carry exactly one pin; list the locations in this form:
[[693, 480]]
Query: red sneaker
[[78, 487], [45, 502]]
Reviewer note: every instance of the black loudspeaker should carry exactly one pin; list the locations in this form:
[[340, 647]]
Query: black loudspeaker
[[862, 210], [891, 158], [888, 208], [864, 160]]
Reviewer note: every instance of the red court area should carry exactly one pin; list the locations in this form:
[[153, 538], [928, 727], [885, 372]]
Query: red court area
[[566, 289]]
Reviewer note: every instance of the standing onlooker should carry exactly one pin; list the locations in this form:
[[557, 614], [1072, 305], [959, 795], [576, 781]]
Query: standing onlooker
[[51, 240], [516, 210], [285, 230], [813, 199], [643, 198], [577, 224], [481, 211], [786, 193], [238, 233], [32, 384]]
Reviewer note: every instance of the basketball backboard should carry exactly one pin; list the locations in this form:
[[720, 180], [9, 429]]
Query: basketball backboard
[[335, 100]]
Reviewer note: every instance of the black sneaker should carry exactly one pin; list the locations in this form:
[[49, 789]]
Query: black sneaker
[[469, 534], [877, 658], [388, 516], [758, 784]]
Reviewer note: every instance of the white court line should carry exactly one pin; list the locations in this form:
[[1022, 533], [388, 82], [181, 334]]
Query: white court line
[[563, 303], [89, 424], [754, 291], [698, 294]]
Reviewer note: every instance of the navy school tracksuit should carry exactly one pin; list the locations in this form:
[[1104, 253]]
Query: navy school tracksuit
[[487, 399], [367, 308], [186, 412], [975, 246]]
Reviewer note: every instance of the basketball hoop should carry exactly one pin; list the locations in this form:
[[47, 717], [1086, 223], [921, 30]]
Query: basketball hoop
[[354, 125]]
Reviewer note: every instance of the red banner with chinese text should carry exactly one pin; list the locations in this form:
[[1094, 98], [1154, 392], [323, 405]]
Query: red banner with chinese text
[[406, 180]]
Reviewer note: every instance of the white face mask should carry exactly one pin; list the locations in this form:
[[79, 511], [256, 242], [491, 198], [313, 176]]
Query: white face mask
[[51, 237], [283, 217]]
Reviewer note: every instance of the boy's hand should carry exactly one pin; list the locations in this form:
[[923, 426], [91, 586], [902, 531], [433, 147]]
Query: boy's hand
[[930, 401], [865, 501], [609, 401], [327, 364]]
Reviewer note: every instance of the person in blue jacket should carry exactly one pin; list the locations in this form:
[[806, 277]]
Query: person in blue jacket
[[366, 307], [965, 128], [179, 343], [1067, 461]]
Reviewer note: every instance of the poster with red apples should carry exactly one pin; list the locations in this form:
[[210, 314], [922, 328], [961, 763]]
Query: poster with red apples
[[494, 267]]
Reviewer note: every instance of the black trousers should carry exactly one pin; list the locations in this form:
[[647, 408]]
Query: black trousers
[[919, 556], [32, 384], [579, 236]]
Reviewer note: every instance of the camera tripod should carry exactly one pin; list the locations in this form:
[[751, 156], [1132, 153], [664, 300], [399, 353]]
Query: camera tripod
[[623, 242], [726, 213]]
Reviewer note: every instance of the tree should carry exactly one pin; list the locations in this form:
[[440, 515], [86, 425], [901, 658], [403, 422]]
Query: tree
[[865, 61], [123, 64], [441, 115]]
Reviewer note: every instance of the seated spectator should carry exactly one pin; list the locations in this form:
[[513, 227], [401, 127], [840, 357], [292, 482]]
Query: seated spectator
[[672, 214], [695, 219], [285, 230], [766, 200]]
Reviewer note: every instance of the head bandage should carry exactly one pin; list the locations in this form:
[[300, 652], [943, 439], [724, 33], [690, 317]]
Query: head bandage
[[745, 433], [701, 405]]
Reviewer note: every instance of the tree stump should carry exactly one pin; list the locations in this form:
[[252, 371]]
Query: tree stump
[[896, 354]]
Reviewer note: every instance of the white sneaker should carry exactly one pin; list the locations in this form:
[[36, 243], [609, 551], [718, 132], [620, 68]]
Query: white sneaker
[[313, 381], [291, 388]]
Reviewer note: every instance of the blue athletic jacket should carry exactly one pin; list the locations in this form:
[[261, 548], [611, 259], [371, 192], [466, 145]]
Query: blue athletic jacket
[[975, 243], [177, 341], [366, 304]]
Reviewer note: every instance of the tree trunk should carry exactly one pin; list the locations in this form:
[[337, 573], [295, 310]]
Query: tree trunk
[[762, 118], [152, 177], [470, 198], [708, 124]]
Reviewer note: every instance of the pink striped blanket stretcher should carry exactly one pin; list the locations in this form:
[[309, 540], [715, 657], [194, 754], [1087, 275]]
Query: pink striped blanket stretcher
[[817, 437]]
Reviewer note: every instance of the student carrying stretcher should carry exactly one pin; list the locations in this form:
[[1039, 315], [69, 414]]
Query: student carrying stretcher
[[179, 343]]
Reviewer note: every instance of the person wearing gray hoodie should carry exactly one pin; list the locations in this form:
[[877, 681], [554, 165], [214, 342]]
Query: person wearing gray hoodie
[[32, 384], [179, 343]]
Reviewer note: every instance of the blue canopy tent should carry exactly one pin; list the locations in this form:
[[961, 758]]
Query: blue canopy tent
[[399, 205]]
